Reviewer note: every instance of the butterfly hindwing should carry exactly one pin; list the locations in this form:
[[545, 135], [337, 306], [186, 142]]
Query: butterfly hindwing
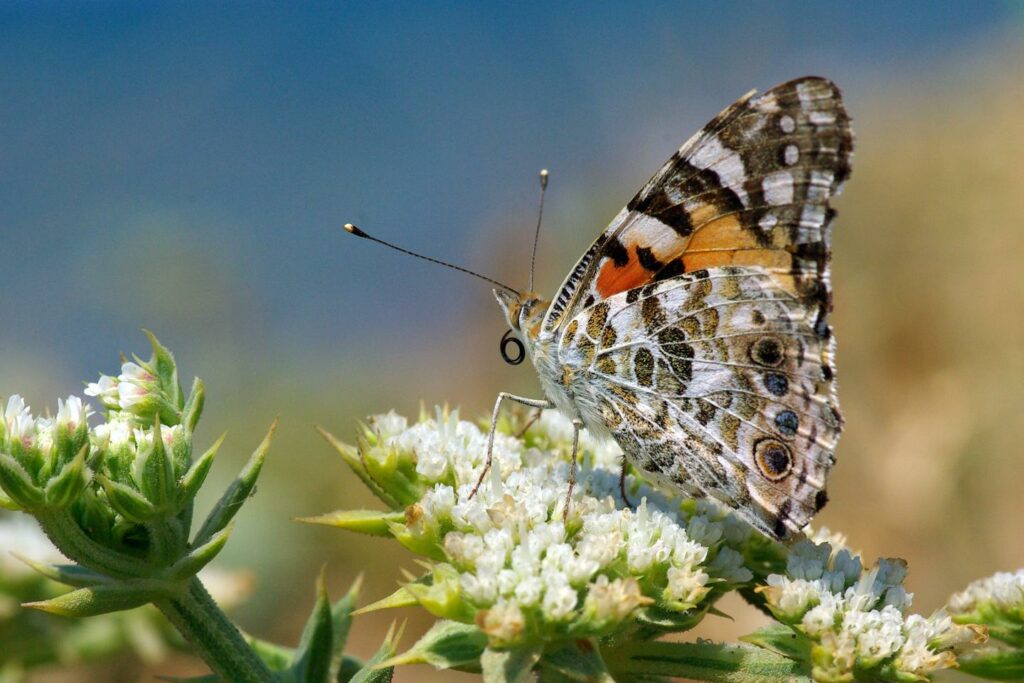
[[712, 382]]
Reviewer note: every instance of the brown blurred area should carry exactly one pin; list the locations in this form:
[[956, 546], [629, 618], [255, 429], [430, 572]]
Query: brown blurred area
[[929, 315]]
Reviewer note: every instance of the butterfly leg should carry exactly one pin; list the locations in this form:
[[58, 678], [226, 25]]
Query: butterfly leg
[[529, 423], [503, 396], [577, 425], [622, 484]]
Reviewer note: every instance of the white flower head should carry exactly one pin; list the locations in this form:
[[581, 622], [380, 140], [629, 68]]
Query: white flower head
[[519, 558], [1004, 590], [858, 617]]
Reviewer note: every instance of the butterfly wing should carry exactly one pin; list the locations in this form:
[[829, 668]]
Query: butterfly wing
[[715, 382], [751, 188]]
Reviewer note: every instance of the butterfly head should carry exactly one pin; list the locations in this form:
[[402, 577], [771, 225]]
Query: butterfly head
[[524, 313]]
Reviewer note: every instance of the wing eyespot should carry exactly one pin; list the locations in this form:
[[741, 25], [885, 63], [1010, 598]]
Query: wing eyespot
[[773, 459]]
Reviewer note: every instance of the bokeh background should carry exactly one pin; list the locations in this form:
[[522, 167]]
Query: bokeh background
[[186, 167]]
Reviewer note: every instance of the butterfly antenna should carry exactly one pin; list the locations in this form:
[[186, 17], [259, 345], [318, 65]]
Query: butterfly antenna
[[540, 217], [353, 230]]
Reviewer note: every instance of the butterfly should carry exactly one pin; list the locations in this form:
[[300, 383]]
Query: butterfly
[[694, 331]]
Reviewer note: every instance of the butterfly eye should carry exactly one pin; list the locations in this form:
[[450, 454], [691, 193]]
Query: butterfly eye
[[514, 358]]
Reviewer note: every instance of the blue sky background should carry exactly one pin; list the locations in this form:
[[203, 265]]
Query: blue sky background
[[186, 166]]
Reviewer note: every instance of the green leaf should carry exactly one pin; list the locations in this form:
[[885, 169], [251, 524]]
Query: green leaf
[[994, 664], [508, 666], [166, 371], [158, 481], [18, 485], [369, 522], [68, 574], [400, 598], [198, 558], [65, 487], [132, 505], [578, 661], [208, 678], [193, 409], [782, 640], [341, 622], [351, 457], [312, 662], [193, 480], [704, 662], [448, 644], [233, 498], [89, 602], [375, 670]]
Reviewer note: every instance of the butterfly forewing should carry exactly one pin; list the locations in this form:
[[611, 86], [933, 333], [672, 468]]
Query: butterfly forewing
[[751, 188]]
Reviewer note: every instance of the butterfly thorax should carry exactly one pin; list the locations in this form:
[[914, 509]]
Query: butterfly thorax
[[525, 314]]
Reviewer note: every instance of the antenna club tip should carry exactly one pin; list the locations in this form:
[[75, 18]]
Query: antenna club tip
[[353, 230], [543, 178]]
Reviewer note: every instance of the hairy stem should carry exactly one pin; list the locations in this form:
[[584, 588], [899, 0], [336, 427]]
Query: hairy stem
[[214, 637]]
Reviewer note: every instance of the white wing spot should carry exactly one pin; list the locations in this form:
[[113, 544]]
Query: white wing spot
[[787, 124], [726, 164], [822, 118], [767, 222], [791, 154], [778, 188]]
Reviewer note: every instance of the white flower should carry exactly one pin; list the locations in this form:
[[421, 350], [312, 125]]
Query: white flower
[[559, 598], [687, 586], [116, 433], [18, 421], [134, 385], [72, 412], [1004, 589], [105, 391], [504, 621], [822, 617], [389, 425], [791, 598]]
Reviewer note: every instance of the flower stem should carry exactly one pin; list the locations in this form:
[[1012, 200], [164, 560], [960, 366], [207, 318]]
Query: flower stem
[[214, 637]]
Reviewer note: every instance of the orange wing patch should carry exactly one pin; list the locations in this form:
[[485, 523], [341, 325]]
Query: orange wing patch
[[614, 279], [725, 242]]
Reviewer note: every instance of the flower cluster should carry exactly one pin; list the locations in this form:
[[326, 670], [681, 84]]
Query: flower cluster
[[997, 602], [1002, 592], [143, 389], [854, 620], [511, 558], [43, 458]]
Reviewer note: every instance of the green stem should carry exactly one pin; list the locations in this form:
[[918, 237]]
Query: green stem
[[214, 637], [65, 533]]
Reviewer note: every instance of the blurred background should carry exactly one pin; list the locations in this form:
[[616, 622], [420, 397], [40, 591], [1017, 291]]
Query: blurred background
[[187, 167]]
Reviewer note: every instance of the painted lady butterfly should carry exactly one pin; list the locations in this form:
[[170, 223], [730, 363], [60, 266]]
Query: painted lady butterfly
[[695, 330]]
